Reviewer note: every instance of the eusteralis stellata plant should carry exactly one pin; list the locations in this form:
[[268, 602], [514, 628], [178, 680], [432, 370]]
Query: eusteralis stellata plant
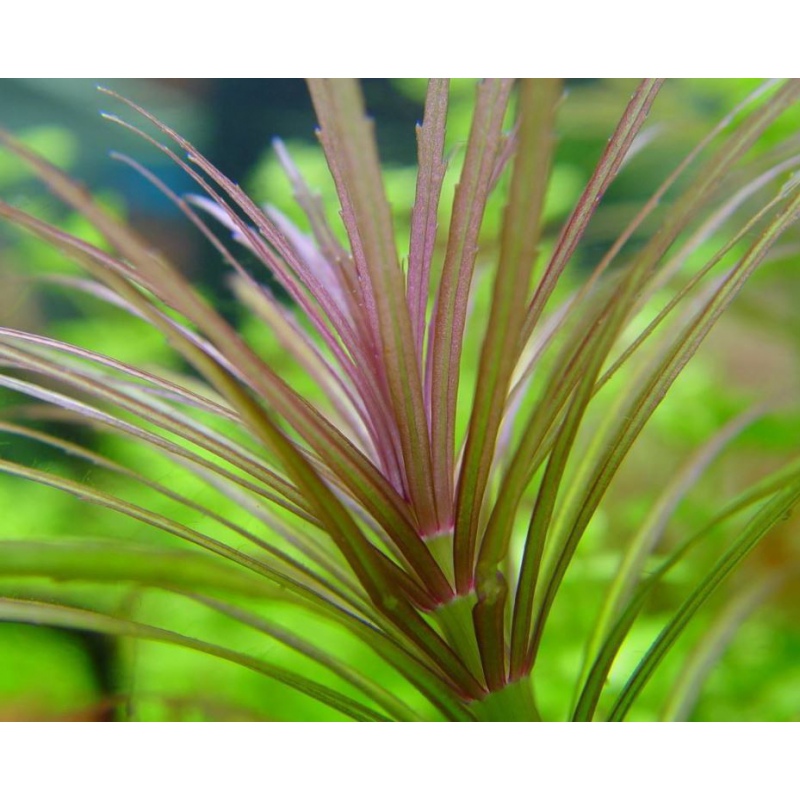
[[383, 485]]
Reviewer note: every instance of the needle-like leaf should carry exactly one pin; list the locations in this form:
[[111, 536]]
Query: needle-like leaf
[[450, 312], [780, 507], [67, 617], [349, 145]]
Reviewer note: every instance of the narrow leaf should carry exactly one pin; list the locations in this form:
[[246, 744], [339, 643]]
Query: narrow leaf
[[65, 616], [711, 647], [430, 175], [519, 243], [779, 508], [606, 170], [349, 145]]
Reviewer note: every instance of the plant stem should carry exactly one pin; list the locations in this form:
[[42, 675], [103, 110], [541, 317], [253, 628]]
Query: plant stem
[[513, 703]]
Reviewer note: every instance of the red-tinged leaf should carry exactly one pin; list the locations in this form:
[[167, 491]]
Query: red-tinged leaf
[[519, 243], [430, 175], [206, 319], [136, 379], [329, 245], [348, 140], [367, 484], [303, 284], [370, 403], [452, 298], [271, 242], [296, 287], [277, 490], [606, 170], [386, 593], [351, 414]]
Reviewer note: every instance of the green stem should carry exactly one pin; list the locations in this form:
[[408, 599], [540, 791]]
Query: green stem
[[455, 621], [513, 703]]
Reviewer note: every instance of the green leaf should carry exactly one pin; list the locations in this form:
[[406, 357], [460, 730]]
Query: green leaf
[[773, 512], [649, 397], [783, 480], [67, 617], [646, 538], [519, 243], [712, 646]]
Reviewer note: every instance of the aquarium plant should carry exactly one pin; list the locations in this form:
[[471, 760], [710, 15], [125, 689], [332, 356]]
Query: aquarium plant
[[412, 440]]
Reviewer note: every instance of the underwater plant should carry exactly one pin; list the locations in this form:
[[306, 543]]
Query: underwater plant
[[423, 473]]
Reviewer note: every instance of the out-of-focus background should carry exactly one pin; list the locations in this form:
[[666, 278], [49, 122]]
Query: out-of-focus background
[[53, 674]]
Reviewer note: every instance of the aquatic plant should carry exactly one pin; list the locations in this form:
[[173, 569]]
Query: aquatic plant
[[430, 516]]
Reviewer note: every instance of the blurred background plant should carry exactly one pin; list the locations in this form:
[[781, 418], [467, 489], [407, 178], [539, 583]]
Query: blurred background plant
[[739, 659]]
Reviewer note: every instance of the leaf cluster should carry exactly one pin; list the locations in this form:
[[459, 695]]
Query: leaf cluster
[[429, 518]]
